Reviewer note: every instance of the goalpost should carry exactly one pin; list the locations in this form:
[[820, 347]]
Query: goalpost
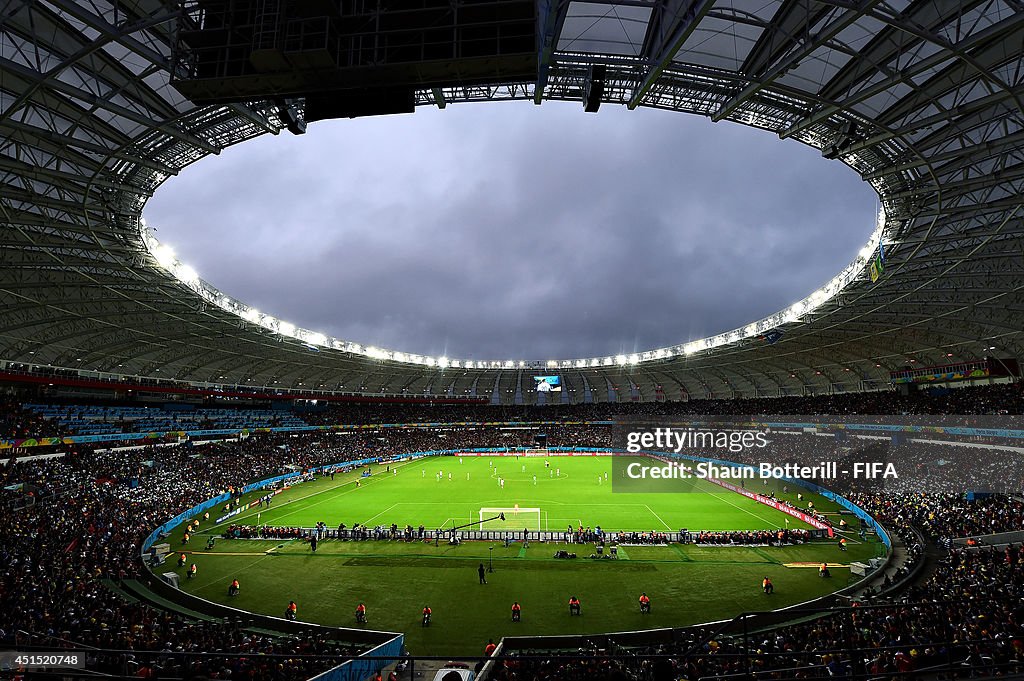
[[537, 452], [515, 519]]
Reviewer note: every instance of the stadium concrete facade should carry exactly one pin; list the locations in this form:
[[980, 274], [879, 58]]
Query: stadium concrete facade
[[922, 99]]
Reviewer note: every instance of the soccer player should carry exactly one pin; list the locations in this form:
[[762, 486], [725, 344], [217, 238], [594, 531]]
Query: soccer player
[[517, 611], [842, 544], [645, 603], [767, 585], [233, 588], [535, 479], [291, 612], [182, 559], [449, 476], [574, 606], [558, 472], [424, 471], [490, 647], [823, 570], [192, 570], [361, 613], [426, 615], [483, 574]]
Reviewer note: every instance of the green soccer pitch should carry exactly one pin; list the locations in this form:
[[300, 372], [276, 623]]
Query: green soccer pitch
[[687, 584]]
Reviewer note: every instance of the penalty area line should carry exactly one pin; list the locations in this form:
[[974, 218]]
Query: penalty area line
[[667, 526], [367, 521]]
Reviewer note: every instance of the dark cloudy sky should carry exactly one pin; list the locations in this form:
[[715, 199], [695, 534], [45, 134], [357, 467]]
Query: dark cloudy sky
[[500, 231]]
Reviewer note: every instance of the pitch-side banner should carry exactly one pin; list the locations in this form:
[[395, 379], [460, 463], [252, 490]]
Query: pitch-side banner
[[777, 505]]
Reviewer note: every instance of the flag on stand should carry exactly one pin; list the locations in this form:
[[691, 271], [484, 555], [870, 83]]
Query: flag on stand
[[878, 264]]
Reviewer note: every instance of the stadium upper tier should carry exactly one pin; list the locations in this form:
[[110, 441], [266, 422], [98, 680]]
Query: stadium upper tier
[[921, 98], [86, 419], [30, 419]]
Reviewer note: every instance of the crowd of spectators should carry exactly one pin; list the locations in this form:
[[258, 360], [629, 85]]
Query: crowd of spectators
[[17, 422], [965, 620], [944, 516], [993, 400], [91, 513]]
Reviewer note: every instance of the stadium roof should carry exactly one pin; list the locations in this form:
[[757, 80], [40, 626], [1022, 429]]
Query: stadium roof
[[923, 99]]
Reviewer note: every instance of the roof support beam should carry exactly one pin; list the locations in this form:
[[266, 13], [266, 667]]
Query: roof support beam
[[783, 65], [672, 22], [903, 75], [550, 17]]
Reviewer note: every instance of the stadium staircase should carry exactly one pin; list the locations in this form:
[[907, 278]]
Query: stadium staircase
[[135, 589], [900, 557]]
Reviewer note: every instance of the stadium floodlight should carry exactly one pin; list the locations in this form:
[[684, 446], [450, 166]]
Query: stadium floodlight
[[164, 255], [186, 274]]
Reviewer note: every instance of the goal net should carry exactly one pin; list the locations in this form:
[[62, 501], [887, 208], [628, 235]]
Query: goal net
[[515, 519], [537, 452]]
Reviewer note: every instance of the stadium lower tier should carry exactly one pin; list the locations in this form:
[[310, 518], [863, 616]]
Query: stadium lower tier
[[69, 556]]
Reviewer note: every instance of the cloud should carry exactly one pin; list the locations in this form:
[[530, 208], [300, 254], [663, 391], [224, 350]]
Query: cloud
[[513, 231]]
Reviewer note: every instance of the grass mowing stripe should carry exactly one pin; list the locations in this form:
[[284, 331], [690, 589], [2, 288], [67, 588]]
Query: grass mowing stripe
[[745, 510], [765, 555], [322, 501]]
